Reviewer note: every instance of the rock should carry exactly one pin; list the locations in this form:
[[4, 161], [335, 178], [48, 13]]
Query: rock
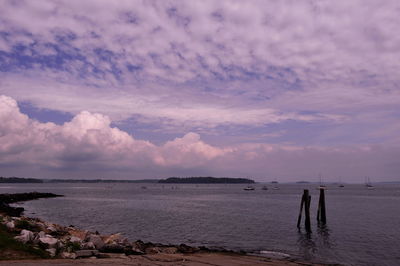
[[187, 249], [85, 253], [88, 245], [25, 236], [103, 256], [134, 251], [112, 238], [41, 234], [10, 225], [68, 255], [75, 239], [52, 252], [96, 240], [113, 248], [51, 228], [48, 241]]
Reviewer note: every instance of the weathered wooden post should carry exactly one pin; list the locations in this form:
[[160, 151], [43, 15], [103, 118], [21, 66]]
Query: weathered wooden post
[[301, 210], [321, 214], [305, 201], [307, 222]]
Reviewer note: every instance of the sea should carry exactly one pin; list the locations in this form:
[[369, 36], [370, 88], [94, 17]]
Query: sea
[[363, 225]]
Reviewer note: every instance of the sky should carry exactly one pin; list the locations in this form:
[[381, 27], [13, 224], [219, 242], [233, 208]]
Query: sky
[[269, 90]]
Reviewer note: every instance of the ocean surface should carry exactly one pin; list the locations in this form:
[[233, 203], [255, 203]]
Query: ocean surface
[[363, 226]]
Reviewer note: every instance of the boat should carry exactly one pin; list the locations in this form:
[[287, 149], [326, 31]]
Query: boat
[[249, 188], [340, 182], [321, 185], [368, 184], [264, 188]]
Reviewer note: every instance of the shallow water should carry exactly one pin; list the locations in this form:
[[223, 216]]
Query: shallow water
[[363, 225]]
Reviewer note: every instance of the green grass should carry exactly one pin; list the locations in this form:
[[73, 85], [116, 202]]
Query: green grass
[[12, 249]]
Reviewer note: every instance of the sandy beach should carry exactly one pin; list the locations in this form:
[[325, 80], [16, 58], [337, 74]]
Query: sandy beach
[[197, 259]]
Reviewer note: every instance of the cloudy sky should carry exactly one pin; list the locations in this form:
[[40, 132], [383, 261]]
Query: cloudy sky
[[271, 90]]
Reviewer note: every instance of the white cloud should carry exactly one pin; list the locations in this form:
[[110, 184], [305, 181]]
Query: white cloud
[[88, 147]]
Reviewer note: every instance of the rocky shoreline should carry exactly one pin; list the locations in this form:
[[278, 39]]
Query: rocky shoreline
[[6, 199], [69, 242]]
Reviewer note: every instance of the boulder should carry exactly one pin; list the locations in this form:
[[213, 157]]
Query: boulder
[[113, 248], [112, 238], [25, 236], [68, 255], [48, 241], [88, 245], [85, 253], [96, 240], [134, 251], [187, 249], [75, 239], [10, 225], [51, 228], [52, 252]]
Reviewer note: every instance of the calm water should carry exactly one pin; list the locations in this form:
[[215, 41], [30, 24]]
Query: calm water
[[363, 225]]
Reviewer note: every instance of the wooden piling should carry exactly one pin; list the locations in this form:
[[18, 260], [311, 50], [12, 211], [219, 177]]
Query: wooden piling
[[321, 213], [307, 221], [301, 210], [305, 201]]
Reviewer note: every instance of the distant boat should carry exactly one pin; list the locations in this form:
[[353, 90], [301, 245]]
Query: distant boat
[[340, 182], [264, 188], [321, 185], [368, 184], [249, 188], [275, 188], [143, 187]]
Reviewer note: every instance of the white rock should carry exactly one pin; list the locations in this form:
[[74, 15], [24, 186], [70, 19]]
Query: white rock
[[10, 225], [25, 236], [51, 228], [68, 255], [49, 240], [74, 239], [41, 234], [97, 241], [52, 252], [88, 245]]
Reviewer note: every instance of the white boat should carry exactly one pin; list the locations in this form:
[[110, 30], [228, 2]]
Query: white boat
[[368, 184], [321, 185], [249, 188]]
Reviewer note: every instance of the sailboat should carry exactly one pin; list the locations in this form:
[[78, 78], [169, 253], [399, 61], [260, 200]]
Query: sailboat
[[368, 183], [340, 182], [321, 185]]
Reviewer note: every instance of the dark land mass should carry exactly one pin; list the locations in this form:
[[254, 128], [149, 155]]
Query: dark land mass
[[6, 199], [206, 180], [99, 181], [19, 180]]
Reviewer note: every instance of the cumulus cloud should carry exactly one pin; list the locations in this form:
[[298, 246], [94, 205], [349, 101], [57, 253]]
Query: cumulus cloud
[[88, 147]]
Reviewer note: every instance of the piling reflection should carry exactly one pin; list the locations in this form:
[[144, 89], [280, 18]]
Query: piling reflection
[[324, 235], [307, 246], [313, 245]]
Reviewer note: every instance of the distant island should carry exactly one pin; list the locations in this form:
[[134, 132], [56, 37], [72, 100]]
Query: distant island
[[99, 181], [178, 180], [19, 180], [37, 180], [206, 180]]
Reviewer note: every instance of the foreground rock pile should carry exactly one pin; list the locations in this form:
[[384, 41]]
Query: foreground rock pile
[[70, 242]]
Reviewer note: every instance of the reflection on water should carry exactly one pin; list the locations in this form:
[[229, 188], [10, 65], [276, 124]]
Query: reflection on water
[[227, 216], [307, 247], [312, 246]]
